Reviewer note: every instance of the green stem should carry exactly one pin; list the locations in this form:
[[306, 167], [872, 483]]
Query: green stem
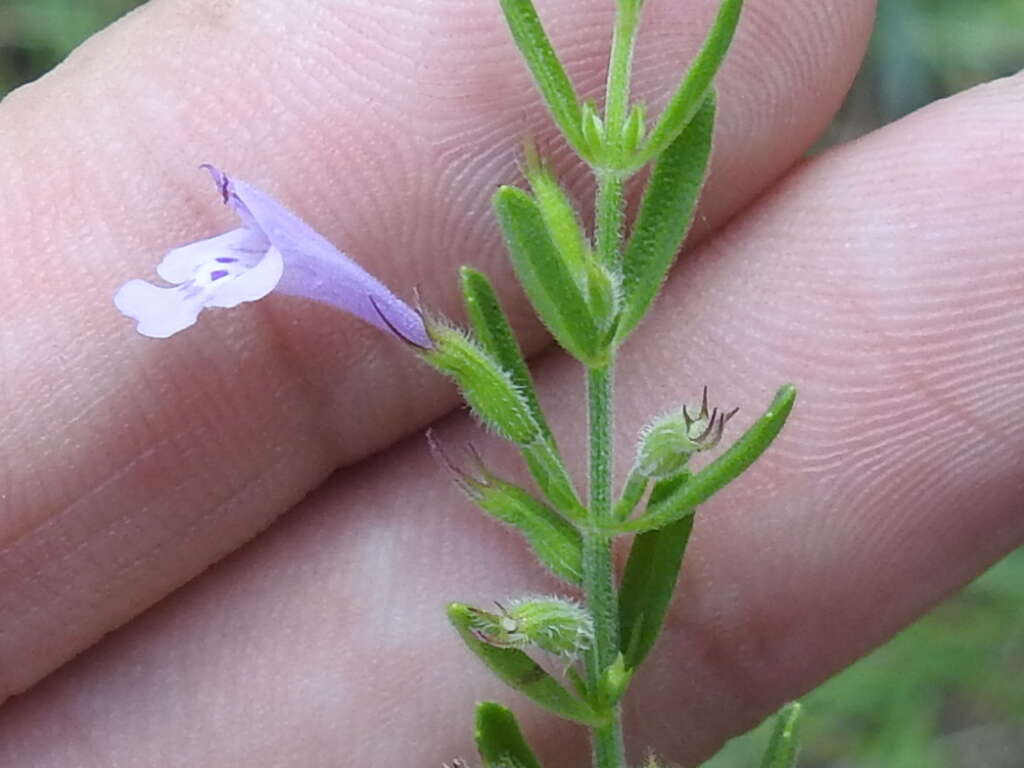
[[620, 66], [598, 574], [598, 570], [609, 220], [599, 397]]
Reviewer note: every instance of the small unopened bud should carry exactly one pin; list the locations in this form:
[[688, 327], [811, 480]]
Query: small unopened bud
[[592, 128], [485, 385], [634, 130], [602, 294], [667, 444], [613, 683], [553, 624]]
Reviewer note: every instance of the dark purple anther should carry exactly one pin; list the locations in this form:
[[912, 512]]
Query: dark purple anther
[[218, 274]]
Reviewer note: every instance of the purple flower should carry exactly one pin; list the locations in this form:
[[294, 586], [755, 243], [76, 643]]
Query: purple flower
[[272, 250]]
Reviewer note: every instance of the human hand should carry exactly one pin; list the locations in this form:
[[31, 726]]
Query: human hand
[[884, 278]]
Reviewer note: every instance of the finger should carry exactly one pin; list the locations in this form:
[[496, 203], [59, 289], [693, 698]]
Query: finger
[[134, 464], [890, 292]]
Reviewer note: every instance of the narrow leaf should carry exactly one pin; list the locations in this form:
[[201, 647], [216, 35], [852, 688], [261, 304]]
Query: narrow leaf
[[548, 72], [545, 277], [492, 329], [785, 743], [549, 472], [499, 740], [519, 671], [665, 215], [649, 581], [636, 485], [558, 211], [719, 473], [696, 84]]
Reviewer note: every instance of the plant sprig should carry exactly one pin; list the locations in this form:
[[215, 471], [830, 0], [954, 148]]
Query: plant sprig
[[591, 290]]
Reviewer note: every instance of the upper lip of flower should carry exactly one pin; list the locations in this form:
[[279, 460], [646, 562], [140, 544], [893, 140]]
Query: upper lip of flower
[[273, 249]]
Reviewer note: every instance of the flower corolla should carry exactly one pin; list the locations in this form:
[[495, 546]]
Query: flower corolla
[[272, 250]]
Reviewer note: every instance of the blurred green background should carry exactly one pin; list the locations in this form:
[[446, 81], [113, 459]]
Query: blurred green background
[[949, 691]]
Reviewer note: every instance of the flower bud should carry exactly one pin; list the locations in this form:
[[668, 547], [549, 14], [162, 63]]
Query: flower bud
[[667, 443], [635, 129], [614, 681], [485, 385], [553, 624], [602, 294], [592, 128]]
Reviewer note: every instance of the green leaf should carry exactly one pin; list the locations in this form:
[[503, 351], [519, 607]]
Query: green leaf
[[548, 470], [636, 485], [785, 742], [719, 473], [650, 579], [519, 671], [578, 683], [492, 329], [498, 739], [666, 212], [548, 72], [696, 84], [558, 213], [544, 275]]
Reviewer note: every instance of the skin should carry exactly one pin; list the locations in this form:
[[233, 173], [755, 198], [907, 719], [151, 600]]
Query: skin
[[249, 510]]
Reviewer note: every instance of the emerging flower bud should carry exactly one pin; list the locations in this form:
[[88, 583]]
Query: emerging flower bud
[[553, 624], [667, 443], [604, 294]]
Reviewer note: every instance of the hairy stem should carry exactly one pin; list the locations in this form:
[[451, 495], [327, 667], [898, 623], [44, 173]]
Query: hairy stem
[[598, 575], [598, 569], [609, 220]]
